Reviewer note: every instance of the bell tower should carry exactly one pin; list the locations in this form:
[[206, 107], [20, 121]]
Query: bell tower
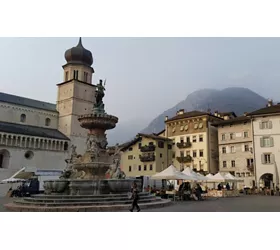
[[76, 94]]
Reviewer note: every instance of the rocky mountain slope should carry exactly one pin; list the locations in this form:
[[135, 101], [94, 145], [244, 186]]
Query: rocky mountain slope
[[238, 100]]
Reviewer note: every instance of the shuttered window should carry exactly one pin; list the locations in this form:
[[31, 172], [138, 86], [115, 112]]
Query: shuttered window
[[267, 158], [266, 142], [266, 125]]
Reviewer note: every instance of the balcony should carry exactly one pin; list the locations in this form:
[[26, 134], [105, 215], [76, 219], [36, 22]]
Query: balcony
[[146, 158], [184, 159], [184, 144], [148, 148], [250, 167]]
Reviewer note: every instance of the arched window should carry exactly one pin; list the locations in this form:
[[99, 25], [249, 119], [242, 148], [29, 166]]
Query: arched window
[[65, 146], [75, 74], [4, 158], [22, 118], [48, 122]]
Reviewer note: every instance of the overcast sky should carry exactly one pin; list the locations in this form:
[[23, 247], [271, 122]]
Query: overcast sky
[[145, 76]]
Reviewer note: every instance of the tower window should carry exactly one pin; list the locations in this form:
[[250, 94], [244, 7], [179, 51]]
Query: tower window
[[76, 72], [48, 122], [22, 118], [85, 77], [66, 75]]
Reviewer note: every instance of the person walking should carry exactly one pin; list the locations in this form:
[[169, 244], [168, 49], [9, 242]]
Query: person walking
[[198, 192], [135, 198]]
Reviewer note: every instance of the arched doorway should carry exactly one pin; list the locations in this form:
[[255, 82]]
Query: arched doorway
[[266, 180], [4, 158]]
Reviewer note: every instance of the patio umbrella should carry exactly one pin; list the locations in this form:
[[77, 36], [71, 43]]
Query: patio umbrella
[[232, 178], [188, 171], [218, 178], [171, 173]]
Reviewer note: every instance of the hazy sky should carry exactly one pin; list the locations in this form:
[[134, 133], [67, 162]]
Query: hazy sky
[[145, 76]]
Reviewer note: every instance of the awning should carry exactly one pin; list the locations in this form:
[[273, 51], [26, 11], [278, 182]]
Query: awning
[[24, 173], [11, 180]]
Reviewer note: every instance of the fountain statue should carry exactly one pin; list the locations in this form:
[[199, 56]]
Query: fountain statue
[[94, 180], [94, 172]]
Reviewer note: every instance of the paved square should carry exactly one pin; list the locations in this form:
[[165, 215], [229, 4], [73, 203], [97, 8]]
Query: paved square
[[238, 204]]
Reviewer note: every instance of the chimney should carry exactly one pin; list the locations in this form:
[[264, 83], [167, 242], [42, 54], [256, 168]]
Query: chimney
[[269, 103], [180, 112], [166, 117], [245, 113]]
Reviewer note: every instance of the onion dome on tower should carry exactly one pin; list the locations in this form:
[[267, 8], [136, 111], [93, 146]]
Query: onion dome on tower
[[79, 55]]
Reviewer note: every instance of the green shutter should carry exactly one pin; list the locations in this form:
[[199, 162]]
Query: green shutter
[[261, 142], [271, 142], [262, 158], [272, 159]]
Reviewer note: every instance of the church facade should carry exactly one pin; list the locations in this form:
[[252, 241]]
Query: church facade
[[39, 134]]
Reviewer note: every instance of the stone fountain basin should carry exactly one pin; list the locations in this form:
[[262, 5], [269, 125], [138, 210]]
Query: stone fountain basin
[[98, 120], [104, 186], [122, 185], [55, 186]]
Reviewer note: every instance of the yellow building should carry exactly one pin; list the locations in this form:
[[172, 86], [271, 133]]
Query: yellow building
[[195, 140], [146, 155]]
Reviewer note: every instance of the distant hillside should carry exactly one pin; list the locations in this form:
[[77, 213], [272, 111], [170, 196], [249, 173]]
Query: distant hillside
[[238, 100]]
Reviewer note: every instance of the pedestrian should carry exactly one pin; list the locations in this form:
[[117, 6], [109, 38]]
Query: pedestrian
[[228, 186], [135, 198], [198, 192]]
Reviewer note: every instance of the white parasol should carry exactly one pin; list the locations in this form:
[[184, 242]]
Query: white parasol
[[171, 173]]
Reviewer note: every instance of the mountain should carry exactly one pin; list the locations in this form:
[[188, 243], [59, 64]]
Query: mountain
[[238, 100]]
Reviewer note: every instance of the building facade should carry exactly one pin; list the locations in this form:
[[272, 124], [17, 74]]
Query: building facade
[[39, 134], [236, 149], [146, 155], [195, 140], [266, 141], [29, 136]]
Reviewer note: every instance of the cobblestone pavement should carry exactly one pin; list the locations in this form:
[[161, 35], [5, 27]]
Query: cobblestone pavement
[[237, 204]]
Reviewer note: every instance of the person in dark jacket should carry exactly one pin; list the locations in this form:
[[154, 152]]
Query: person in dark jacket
[[135, 198], [228, 186], [198, 192]]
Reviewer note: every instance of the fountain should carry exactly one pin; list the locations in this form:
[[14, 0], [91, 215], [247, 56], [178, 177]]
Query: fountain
[[92, 181]]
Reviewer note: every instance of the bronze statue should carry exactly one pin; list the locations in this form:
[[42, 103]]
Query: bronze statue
[[99, 94]]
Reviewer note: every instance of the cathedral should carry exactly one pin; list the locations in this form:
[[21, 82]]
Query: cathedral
[[39, 134]]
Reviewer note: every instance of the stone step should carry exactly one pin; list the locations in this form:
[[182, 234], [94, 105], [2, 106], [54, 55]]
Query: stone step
[[81, 203], [92, 199], [58, 196], [103, 208]]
